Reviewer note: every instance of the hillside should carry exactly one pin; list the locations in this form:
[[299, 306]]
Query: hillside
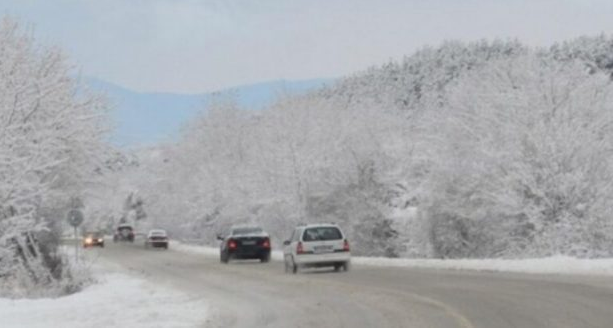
[[144, 119]]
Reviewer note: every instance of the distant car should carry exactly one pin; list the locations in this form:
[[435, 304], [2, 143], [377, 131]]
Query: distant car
[[245, 242], [124, 232], [315, 246], [157, 238], [91, 239]]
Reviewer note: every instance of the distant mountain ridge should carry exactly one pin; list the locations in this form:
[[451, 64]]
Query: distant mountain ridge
[[147, 118]]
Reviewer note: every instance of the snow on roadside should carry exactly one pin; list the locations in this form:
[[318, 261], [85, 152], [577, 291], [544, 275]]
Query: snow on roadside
[[119, 300], [563, 265], [550, 265]]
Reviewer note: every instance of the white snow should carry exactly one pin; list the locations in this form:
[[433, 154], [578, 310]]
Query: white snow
[[119, 300], [563, 265]]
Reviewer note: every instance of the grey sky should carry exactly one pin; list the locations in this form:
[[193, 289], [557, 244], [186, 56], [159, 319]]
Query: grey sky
[[196, 46]]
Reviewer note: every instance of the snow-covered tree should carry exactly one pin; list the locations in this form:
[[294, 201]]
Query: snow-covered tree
[[521, 161], [50, 147], [449, 152]]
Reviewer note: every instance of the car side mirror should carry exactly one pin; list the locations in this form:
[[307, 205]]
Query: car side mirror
[[219, 237], [287, 242]]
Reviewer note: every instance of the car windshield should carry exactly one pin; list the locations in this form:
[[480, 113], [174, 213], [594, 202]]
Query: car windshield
[[157, 233], [246, 231], [124, 228], [93, 235], [322, 233]]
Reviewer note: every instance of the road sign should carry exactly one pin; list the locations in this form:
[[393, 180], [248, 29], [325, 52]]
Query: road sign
[[75, 218]]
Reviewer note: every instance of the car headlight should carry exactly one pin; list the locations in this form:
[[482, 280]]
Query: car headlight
[[88, 241], [100, 240]]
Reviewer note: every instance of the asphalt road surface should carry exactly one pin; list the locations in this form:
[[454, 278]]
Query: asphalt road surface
[[251, 294]]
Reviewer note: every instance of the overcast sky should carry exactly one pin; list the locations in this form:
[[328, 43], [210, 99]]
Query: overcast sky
[[195, 46]]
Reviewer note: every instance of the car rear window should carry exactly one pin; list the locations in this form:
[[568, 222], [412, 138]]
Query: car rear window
[[246, 231], [322, 233]]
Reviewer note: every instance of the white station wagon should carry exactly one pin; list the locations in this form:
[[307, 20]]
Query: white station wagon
[[315, 246]]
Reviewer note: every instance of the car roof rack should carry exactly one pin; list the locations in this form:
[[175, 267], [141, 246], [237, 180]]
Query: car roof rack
[[316, 223]]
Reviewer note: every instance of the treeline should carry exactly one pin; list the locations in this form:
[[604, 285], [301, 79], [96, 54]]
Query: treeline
[[486, 149]]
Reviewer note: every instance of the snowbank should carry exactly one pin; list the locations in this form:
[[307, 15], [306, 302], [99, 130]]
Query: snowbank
[[118, 301], [550, 265]]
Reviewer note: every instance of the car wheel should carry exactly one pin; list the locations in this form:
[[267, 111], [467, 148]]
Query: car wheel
[[102, 245], [223, 258], [346, 266], [166, 247], [265, 258], [337, 267]]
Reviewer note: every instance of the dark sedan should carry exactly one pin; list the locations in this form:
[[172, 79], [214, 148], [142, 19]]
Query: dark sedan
[[245, 243], [124, 232]]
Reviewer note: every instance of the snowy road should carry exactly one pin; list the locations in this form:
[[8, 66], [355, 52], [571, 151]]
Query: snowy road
[[250, 294]]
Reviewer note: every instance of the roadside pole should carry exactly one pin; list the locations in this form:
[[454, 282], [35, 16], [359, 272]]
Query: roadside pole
[[76, 245], [75, 218]]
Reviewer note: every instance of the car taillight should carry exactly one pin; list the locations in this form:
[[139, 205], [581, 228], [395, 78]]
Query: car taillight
[[346, 246], [266, 243], [299, 249], [232, 244]]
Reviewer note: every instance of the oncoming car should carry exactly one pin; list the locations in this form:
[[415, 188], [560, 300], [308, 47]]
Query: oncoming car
[[245, 242], [316, 246], [93, 239], [157, 238]]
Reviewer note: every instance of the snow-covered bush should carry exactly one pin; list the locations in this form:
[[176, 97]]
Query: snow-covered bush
[[360, 209]]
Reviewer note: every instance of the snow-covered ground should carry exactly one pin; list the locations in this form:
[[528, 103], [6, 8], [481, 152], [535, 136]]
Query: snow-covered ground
[[119, 300], [550, 265]]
